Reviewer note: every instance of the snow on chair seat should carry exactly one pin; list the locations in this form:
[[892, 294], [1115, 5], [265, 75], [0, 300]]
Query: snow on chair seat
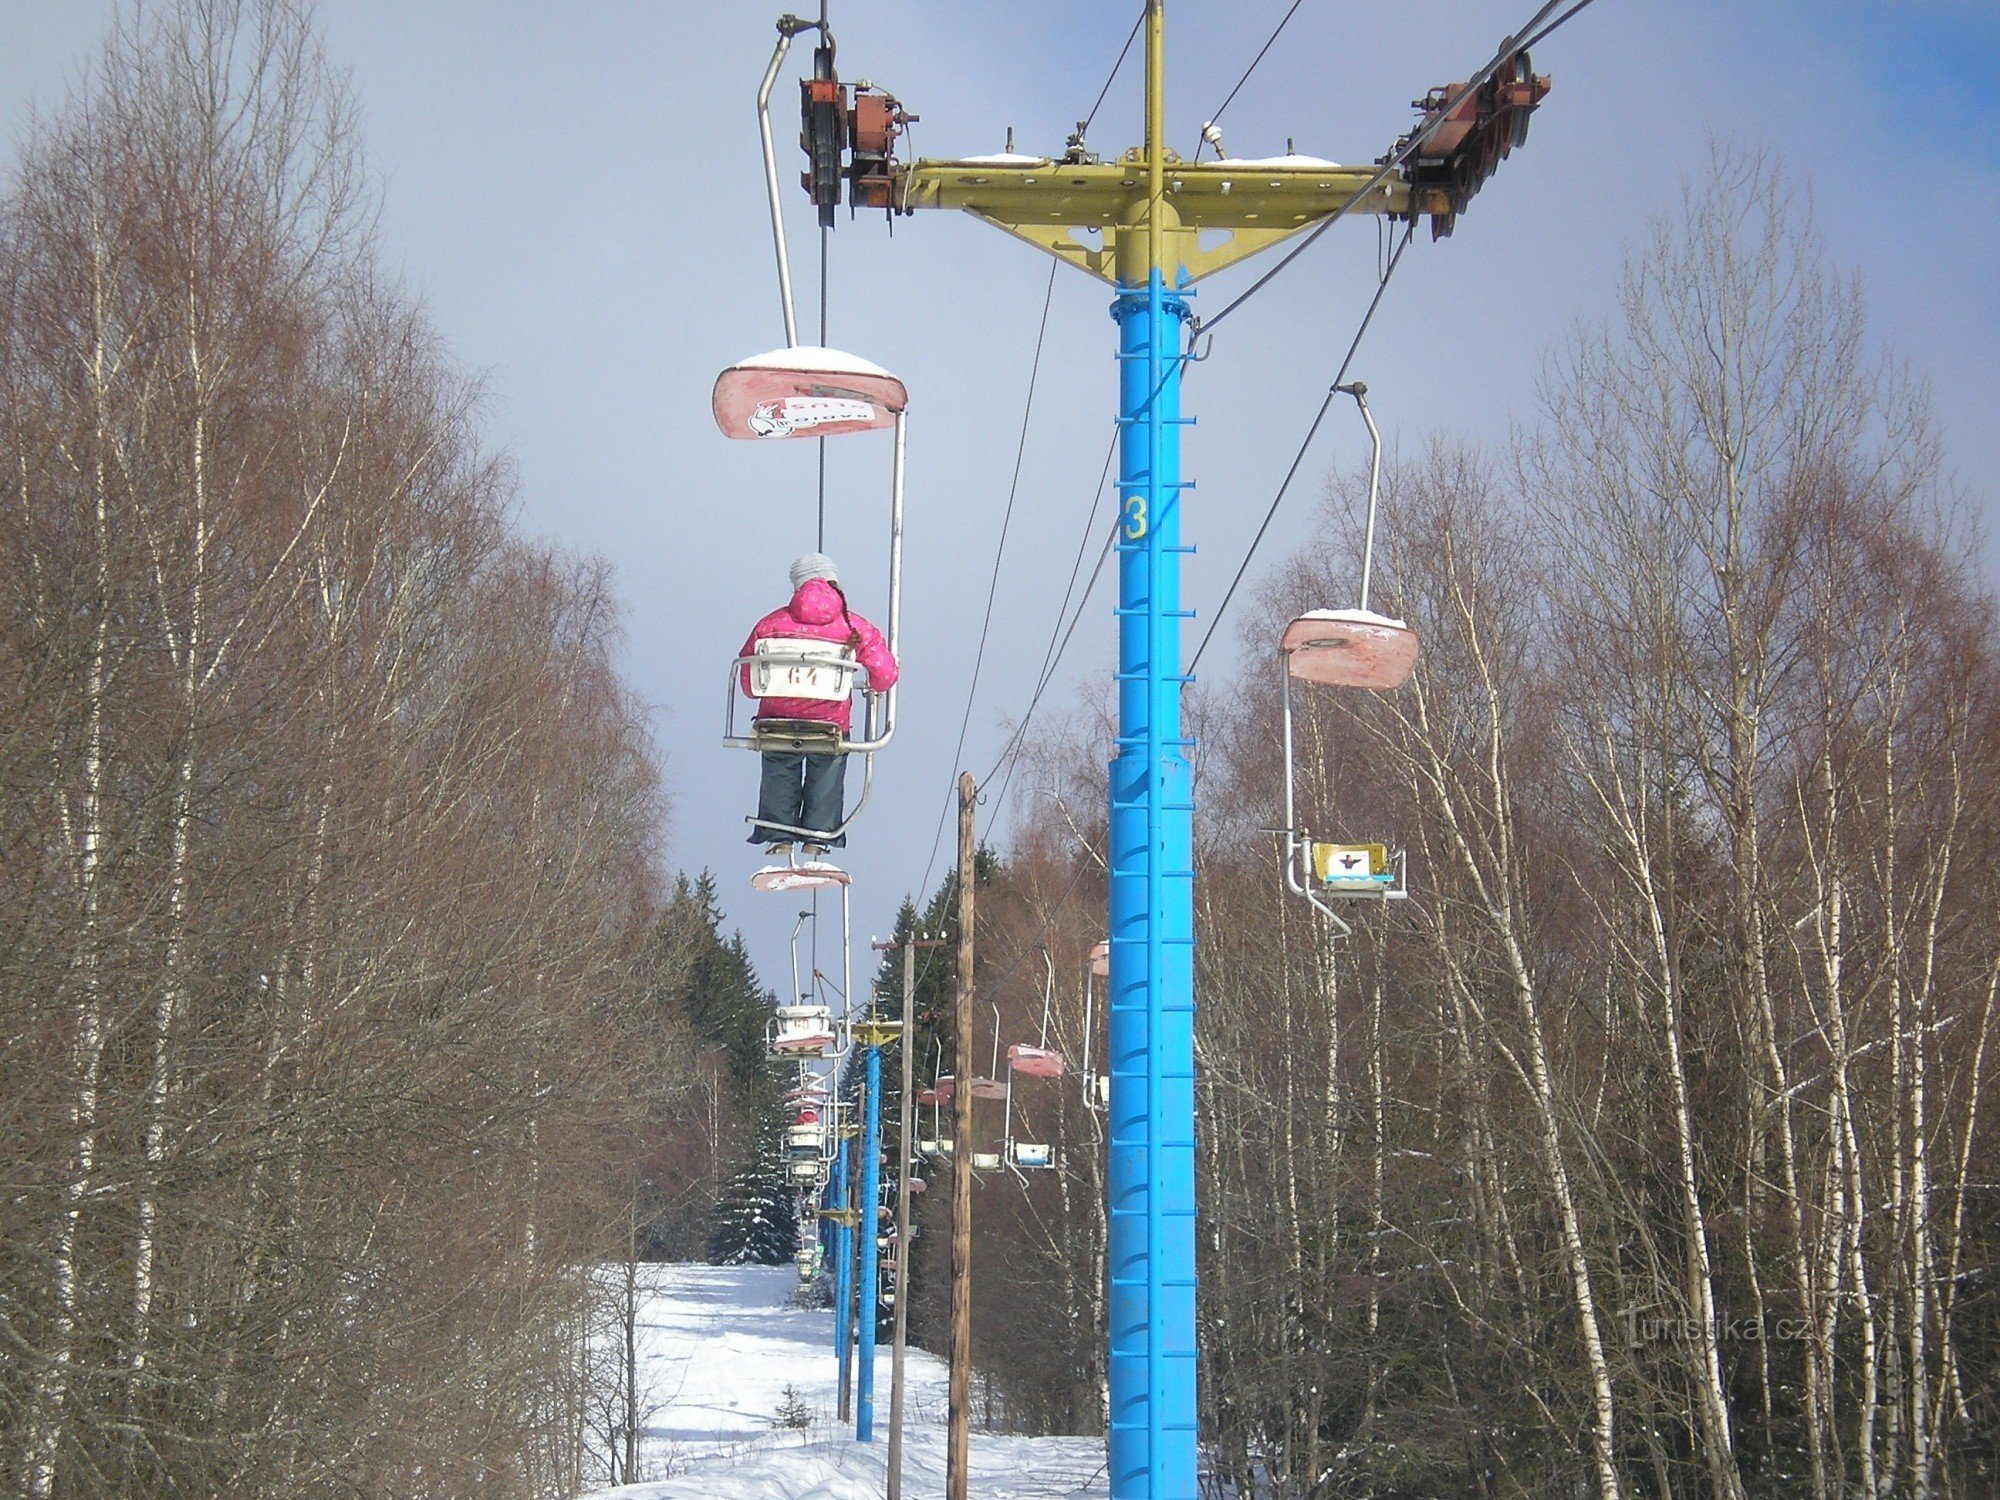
[[790, 667], [1349, 648], [1035, 1062]]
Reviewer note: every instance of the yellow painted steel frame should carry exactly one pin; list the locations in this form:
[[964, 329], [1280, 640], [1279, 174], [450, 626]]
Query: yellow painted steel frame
[[1049, 204], [878, 1033]]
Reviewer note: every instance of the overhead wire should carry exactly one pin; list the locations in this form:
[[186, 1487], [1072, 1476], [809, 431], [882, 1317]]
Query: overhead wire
[[1537, 39], [1404, 150], [1112, 77], [1533, 32], [1052, 652], [1269, 42], [999, 554], [1052, 657], [1382, 285], [930, 865]]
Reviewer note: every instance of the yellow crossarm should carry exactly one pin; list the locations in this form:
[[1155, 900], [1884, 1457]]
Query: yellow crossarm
[[1053, 206]]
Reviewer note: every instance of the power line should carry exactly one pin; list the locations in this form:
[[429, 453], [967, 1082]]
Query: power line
[[1269, 42], [1101, 93], [937, 839], [1051, 662], [1058, 640], [999, 552], [1299, 458], [1010, 753]]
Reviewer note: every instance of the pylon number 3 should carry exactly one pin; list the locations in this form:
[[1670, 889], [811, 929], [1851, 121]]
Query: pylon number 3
[[1135, 517]]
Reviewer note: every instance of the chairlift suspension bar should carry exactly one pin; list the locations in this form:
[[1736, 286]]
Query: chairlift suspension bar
[[788, 27], [1360, 394]]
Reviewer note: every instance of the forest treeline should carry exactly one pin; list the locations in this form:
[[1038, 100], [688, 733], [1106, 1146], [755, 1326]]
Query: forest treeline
[[345, 1020], [1644, 1150], [348, 1027]]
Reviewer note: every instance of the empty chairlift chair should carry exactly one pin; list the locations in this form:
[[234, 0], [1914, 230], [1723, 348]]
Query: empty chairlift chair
[[1343, 648]]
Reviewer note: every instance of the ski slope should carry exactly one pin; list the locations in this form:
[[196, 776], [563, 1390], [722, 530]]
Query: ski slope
[[718, 1345]]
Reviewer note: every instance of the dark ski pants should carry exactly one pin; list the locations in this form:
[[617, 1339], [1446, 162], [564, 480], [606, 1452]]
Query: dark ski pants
[[801, 791]]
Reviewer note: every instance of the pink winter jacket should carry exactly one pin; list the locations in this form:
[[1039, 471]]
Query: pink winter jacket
[[818, 613]]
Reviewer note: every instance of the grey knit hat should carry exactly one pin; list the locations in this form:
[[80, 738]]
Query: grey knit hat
[[814, 565]]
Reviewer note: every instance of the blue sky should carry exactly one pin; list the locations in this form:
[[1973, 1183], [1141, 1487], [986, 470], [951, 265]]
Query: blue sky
[[575, 190]]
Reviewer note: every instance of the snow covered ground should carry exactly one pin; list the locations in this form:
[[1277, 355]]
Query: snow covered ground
[[719, 1345]]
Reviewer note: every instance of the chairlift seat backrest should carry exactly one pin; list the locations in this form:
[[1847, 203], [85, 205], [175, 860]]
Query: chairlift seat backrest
[[1029, 1155], [806, 1139], [793, 667], [802, 1028], [1352, 866]]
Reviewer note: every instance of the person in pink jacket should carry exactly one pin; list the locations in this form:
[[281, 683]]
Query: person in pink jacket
[[808, 789]]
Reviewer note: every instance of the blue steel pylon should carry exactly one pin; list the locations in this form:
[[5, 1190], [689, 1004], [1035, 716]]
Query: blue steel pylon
[[843, 1265], [1148, 218], [1152, 1156], [871, 1189]]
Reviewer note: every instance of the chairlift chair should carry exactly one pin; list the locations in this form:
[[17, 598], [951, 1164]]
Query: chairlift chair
[[805, 1140], [808, 1028], [936, 1145], [801, 1031], [1343, 648], [816, 392], [1096, 1087]]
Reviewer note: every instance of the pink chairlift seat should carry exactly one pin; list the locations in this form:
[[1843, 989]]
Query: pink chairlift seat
[[805, 392], [1349, 648]]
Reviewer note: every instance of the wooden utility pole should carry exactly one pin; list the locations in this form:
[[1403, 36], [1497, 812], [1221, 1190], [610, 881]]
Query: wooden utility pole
[[961, 1162]]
